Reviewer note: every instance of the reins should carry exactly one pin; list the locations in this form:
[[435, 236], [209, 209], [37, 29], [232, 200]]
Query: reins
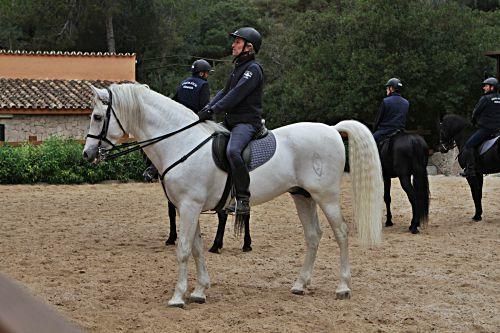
[[137, 145], [104, 154]]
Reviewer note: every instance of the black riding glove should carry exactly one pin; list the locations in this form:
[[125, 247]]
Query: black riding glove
[[205, 113]]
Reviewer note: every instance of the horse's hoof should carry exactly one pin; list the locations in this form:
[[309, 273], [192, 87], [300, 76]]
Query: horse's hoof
[[344, 294], [169, 242], [389, 224], [197, 299], [214, 249], [176, 304], [414, 230], [300, 292], [247, 248], [477, 218]]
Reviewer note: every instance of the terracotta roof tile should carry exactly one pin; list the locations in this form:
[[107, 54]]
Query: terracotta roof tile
[[66, 53], [47, 94]]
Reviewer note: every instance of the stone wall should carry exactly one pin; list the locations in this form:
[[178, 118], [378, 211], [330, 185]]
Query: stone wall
[[20, 127], [446, 164]]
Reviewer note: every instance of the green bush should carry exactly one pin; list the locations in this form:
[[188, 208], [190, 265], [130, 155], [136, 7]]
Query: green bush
[[60, 161]]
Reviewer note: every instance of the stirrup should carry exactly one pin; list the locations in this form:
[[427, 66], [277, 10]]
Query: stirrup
[[242, 207], [239, 207]]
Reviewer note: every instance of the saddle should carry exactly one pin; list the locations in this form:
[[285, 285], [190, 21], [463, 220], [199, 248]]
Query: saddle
[[385, 151], [257, 152]]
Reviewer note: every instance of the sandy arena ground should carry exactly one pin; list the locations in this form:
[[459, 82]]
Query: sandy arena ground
[[97, 254]]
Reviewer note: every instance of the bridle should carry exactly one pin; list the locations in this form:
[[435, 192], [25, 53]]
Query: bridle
[[104, 131], [128, 147], [446, 144]]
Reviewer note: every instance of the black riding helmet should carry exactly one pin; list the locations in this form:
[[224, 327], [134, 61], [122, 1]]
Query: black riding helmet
[[491, 81], [250, 35], [200, 65], [395, 83]]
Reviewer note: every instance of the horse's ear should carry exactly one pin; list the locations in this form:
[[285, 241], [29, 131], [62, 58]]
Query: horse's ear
[[102, 94]]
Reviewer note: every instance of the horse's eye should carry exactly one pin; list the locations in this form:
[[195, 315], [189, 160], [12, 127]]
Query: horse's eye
[[97, 117]]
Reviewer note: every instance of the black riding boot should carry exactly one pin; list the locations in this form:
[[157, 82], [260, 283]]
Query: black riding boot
[[241, 180], [470, 163]]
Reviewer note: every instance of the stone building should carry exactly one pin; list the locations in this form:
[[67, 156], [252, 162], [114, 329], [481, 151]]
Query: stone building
[[45, 94]]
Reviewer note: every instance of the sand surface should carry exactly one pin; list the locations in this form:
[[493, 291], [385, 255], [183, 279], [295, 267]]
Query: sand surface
[[97, 254]]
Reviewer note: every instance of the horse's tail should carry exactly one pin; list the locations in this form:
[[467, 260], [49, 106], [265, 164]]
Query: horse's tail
[[420, 179], [367, 184]]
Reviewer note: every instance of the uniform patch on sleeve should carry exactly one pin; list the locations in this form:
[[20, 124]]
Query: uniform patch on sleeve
[[247, 75]]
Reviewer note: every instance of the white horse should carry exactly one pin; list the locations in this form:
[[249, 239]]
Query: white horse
[[309, 156]]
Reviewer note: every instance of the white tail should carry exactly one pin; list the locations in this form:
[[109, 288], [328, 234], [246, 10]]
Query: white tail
[[367, 183]]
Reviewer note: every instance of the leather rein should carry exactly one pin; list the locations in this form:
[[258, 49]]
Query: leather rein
[[128, 147]]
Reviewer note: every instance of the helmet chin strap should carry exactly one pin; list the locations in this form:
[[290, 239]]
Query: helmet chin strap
[[243, 52]]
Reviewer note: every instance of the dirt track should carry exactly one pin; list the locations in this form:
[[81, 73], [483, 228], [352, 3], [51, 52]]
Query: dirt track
[[96, 253]]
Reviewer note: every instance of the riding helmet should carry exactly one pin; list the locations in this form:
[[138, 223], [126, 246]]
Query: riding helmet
[[395, 83], [250, 35], [200, 65], [491, 81]]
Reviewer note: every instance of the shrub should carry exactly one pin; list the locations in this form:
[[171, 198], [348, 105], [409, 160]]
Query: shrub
[[60, 161]]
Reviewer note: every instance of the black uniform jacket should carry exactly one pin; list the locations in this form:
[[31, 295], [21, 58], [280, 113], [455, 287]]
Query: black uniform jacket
[[392, 113], [487, 111], [193, 93], [241, 99]]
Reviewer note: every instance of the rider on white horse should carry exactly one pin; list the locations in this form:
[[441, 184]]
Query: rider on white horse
[[486, 116], [241, 101]]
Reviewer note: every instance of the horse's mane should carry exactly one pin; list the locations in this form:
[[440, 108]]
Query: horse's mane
[[130, 98], [454, 123]]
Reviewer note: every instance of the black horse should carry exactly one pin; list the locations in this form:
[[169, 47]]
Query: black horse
[[151, 174], [454, 131], [405, 155]]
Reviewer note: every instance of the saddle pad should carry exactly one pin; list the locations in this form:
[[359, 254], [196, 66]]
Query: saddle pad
[[261, 150], [255, 154], [487, 145]]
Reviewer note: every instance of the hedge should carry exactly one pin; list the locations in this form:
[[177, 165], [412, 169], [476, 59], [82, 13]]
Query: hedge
[[60, 161]]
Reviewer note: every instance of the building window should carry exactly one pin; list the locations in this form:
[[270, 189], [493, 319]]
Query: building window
[[2, 132]]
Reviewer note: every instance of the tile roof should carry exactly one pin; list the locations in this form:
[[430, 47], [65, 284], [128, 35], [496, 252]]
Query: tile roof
[[67, 53], [47, 95]]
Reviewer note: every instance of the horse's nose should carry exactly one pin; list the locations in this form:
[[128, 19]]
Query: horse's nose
[[87, 156]]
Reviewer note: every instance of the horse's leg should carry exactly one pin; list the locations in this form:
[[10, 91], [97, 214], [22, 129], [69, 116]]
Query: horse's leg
[[219, 236], [410, 193], [476, 188], [187, 230], [203, 280], [306, 209], [387, 200], [247, 241], [336, 221], [172, 236]]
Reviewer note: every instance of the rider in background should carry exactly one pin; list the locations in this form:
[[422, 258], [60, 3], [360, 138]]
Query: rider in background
[[486, 117], [194, 93], [392, 113], [241, 101]]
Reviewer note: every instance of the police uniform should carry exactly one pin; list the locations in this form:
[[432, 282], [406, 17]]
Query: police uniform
[[241, 102], [193, 92], [486, 116], [391, 116]]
